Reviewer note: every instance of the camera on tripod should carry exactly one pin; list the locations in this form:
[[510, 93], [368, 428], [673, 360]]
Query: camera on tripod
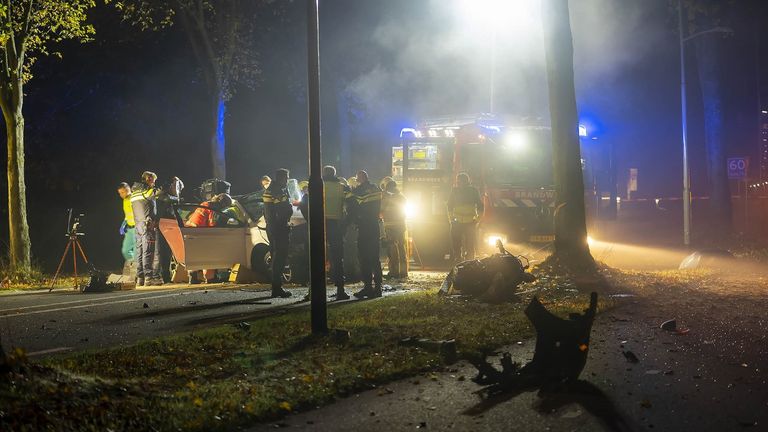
[[74, 227]]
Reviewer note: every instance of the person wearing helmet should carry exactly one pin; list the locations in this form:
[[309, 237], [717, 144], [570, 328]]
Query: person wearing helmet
[[393, 214], [366, 216], [144, 206], [277, 212], [465, 208], [336, 195]]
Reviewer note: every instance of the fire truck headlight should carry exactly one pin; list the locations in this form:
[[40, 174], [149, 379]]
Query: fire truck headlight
[[516, 142], [492, 239], [411, 211]]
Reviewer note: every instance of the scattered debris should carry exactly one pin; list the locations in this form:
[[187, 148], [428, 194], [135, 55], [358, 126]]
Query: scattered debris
[[559, 356], [245, 326], [446, 348], [493, 279], [669, 325], [631, 357], [146, 306]]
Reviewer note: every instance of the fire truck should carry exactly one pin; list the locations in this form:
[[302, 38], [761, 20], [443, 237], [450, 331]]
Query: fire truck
[[510, 162]]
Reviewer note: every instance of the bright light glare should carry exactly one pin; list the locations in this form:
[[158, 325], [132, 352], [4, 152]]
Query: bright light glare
[[516, 142], [518, 16], [590, 241], [410, 210], [582, 131], [492, 239]]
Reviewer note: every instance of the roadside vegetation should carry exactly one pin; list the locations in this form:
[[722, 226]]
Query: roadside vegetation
[[239, 374]]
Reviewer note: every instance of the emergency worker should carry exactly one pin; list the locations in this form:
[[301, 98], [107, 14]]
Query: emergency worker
[[465, 208], [393, 214], [128, 227], [366, 217], [144, 206], [336, 194], [277, 212], [168, 196], [205, 216]]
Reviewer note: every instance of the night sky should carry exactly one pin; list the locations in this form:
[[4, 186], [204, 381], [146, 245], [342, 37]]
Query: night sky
[[133, 101]]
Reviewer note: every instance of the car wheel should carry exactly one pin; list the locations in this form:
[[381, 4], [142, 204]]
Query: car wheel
[[261, 264]]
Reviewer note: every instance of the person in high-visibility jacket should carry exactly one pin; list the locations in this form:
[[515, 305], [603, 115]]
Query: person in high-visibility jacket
[[366, 215], [393, 214], [144, 206], [336, 194], [277, 212], [128, 227], [465, 208]]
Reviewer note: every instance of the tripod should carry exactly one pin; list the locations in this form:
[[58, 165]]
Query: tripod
[[74, 244]]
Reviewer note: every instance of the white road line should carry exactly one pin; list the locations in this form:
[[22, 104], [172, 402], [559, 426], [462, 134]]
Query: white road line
[[85, 306], [49, 351], [78, 301]]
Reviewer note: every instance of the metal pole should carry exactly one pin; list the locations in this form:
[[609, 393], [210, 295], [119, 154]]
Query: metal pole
[[316, 210], [684, 113]]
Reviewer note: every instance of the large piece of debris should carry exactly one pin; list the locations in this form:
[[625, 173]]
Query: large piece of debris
[[560, 355]]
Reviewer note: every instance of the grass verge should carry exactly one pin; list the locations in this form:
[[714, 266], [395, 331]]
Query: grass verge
[[220, 378]]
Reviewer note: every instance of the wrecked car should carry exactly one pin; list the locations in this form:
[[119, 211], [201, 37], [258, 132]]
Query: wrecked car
[[238, 240]]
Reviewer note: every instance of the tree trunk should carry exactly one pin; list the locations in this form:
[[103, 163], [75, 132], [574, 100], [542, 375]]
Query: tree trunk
[[570, 218], [218, 142], [12, 102], [709, 60]]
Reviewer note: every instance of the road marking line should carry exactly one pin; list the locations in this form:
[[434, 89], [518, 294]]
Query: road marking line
[[77, 301], [85, 306], [49, 351]]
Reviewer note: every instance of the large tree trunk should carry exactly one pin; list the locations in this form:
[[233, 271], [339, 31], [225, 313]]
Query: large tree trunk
[[709, 60], [570, 219], [218, 141], [12, 98]]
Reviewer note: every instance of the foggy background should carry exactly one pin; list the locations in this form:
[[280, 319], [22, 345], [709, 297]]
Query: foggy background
[[132, 101]]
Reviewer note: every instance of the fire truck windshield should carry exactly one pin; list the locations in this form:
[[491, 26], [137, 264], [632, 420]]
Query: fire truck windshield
[[521, 158]]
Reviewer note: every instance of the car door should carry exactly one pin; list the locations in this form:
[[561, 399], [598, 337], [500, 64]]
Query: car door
[[215, 247]]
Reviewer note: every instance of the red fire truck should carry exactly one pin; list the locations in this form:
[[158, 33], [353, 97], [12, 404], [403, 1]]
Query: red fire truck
[[510, 162]]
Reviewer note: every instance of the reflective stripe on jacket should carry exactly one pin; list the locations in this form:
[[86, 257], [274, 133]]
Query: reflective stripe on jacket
[[393, 209], [335, 195], [464, 204], [368, 209]]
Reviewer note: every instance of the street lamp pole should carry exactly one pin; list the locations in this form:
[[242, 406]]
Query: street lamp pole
[[316, 221], [684, 109]]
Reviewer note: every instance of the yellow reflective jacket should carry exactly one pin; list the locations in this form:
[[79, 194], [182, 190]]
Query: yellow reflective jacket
[[465, 205]]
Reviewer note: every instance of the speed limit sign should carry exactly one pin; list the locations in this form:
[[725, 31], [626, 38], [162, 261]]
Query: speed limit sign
[[738, 168]]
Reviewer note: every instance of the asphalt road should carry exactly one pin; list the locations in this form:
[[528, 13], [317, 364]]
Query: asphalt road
[[67, 320]]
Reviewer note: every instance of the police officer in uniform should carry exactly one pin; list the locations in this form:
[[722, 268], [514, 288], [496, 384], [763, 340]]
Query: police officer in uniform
[[465, 208], [144, 205], [277, 212], [366, 216], [336, 193]]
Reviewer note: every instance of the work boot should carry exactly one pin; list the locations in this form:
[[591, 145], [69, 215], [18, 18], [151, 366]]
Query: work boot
[[341, 295], [139, 282], [365, 292], [153, 282], [279, 292], [376, 292]]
